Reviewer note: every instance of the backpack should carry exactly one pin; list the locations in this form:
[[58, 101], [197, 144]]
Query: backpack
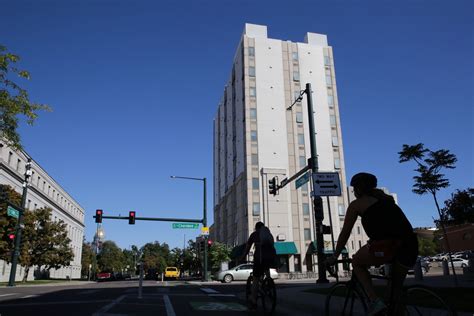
[[266, 238]]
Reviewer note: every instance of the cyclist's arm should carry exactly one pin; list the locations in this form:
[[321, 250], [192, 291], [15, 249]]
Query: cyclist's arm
[[350, 219], [249, 244]]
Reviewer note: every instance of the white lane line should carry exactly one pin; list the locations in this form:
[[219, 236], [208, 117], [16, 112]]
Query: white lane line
[[28, 296], [55, 303], [222, 295], [168, 306], [209, 290], [109, 306], [8, 294]]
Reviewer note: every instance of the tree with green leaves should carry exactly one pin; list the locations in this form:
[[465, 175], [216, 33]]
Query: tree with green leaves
[[155, 257], [44, 243], [426, 246], [88, 259], [7, 223], [110, 257], [429, 178], [459, 209], [218, 253], [14, 100]]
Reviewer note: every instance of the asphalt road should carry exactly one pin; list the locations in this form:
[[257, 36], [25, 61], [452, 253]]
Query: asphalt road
[[122, 298]]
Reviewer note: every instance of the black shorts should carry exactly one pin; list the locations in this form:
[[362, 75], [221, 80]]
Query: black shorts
[[259, 268], [408, 252]]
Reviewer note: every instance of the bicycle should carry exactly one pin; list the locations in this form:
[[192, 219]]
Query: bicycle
[[349, 298], [266, 292]]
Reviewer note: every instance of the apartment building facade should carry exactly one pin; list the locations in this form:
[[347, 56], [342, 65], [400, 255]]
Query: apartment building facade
[[256, 138], [43, 191]]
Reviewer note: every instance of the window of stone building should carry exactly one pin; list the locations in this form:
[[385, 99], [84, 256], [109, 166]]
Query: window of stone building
[[305, 209], [255, 183], [307, 234], [256, 209]]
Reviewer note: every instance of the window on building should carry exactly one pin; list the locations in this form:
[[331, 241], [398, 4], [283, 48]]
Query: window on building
[[328, 80], [330, 100], [253, 113], [360, 244], [296, 95], [28, 204], [327, 60], [300, 139], [304, 187], [256, 209], [251, 51], [10, 155], [332, 120], [255, 183], [253, 136], [18, 162], [305, 209], [296, 75], [358, 230], [44, 185], [341, 209], [299, 117], [252, 71], [253, 92], [337, 163], [255, 159], [302, 161], [307, 234], [295, 56], [335, 141]]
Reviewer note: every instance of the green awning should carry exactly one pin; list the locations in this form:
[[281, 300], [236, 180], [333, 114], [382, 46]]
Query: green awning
[[285, 248], [237, 251], [314, 249]]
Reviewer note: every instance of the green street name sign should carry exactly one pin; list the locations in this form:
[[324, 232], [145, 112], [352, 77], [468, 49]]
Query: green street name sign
[[13, 212], [185, 225], [302, 180]]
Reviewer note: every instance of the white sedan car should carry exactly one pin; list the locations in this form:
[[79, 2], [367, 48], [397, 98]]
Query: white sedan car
[[240, 273]]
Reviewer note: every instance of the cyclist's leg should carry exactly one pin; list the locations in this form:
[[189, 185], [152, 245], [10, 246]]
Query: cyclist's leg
[[257, 273], [399, 273], [360, 263]]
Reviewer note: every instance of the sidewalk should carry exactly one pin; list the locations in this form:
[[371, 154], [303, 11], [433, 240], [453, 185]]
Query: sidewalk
[[62, 283]]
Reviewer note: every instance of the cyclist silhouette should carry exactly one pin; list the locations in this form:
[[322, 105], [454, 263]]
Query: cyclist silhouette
[[263, 258], [391, 237]]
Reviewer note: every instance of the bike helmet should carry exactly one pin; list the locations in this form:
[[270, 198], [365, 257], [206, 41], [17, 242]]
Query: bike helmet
[[364, 180]]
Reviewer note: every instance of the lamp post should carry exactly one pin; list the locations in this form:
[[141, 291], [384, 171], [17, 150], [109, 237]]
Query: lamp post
[[204, 219]]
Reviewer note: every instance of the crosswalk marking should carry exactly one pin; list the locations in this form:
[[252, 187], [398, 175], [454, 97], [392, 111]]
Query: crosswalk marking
[[8, 294], [168, 306], [209, 290]]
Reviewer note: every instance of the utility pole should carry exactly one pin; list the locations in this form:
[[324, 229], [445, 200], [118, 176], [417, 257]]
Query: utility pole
[[19, 224], [317, 200], [204, 223]]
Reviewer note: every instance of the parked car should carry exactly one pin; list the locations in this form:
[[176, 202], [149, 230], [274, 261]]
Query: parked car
[[425, 267], [105, 276], [171, 272], [460, 262], [240, 273]]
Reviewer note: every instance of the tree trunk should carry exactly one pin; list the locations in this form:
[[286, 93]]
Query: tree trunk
[[25, 277], [445, 238]]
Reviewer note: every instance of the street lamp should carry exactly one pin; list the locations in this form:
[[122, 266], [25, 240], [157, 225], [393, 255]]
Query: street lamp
[[204, 220]]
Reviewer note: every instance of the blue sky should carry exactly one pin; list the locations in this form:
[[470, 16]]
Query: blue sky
[[134, 86]]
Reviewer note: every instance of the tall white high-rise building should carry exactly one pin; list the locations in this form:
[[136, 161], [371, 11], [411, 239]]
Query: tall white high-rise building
[[256, 138]]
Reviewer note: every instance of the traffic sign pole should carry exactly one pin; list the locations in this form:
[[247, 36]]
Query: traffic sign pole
[[317, 200]]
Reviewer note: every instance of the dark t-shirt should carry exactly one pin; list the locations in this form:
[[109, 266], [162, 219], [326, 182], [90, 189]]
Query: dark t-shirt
[[265, 253]]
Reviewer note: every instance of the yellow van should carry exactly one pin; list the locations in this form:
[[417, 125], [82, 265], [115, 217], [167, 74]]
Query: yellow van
[[171, 272]]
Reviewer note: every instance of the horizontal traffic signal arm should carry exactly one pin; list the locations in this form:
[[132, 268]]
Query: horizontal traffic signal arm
[[159, 219], [285, 181]]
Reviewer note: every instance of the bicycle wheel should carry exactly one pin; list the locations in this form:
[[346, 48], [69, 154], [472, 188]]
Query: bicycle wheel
[[268, 296], [248, 288], [418, 300], [344, 299]]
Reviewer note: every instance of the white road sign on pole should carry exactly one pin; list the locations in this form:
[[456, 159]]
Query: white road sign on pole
[[326, 184]]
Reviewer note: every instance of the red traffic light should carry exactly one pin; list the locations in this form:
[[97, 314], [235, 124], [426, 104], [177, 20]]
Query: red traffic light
[[98, 216], [209, 242], [11, 236], [131, 217]]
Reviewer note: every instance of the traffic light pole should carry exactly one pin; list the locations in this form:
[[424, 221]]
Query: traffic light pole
[[19, 224], [204, 223], [317, 200]]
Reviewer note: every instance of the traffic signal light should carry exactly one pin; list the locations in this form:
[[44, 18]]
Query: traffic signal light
[[131, 217], [98, 216], [273, 186], [209, 244], [326, 229], [11, 236]]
